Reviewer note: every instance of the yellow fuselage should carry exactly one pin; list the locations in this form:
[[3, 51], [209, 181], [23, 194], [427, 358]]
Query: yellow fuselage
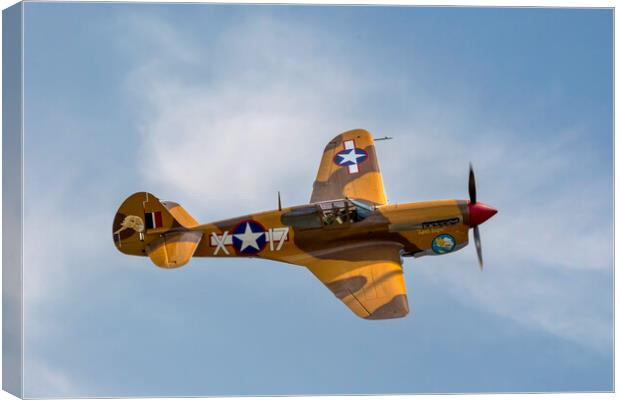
[[414, 226]]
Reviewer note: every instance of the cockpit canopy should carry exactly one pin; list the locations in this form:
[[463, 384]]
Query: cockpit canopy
[[327, 213]]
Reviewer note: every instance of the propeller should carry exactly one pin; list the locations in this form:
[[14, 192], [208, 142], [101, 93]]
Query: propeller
[[472, 185], [478, 213], [478, 246]]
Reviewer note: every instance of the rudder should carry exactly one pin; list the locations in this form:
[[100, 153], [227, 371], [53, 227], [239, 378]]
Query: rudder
[[144, 225]]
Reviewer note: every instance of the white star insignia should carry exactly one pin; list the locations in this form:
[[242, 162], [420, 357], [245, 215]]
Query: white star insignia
[[352, 156], [248, 238]]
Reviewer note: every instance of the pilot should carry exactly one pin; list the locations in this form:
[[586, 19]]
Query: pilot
[[328, 218]]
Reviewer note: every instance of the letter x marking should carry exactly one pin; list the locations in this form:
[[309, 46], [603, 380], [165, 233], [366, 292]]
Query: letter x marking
[[219, 242]]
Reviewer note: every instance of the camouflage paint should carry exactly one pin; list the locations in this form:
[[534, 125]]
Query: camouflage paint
[[360, 262]]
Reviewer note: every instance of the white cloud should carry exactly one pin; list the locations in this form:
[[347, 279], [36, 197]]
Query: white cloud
[[57, 233], [548, 251], [552, 211], [43, 380], [256, 128], [277, 93], [572, 305], [258, 123]]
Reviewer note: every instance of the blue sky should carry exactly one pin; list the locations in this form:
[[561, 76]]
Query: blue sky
[[218, 107]]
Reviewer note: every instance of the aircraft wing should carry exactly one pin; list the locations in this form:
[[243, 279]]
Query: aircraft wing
[[368, 278], [349, 168]]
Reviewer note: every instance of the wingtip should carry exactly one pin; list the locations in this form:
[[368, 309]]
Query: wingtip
[[398, 307]]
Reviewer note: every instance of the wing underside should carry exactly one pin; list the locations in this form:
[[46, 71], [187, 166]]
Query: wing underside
[[368, 280], [349, 168]]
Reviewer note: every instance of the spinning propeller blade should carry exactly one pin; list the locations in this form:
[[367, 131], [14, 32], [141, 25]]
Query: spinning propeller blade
[[478, 246], [478, 213], [472, 185]]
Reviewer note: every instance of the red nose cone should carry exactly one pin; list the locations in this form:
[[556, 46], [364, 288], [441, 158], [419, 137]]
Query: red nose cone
[[479, 212]]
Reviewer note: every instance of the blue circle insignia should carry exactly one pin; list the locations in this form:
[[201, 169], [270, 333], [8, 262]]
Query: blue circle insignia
[[443, 243], [349, 157], [249, 237]]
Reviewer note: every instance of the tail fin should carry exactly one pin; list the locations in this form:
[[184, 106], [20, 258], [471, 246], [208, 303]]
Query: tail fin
[[143, 225]]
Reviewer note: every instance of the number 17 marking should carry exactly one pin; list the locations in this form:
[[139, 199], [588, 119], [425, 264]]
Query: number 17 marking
[[279, 235]]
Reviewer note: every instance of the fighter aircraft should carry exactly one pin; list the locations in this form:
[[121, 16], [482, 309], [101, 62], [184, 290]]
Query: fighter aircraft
[[348, 236]]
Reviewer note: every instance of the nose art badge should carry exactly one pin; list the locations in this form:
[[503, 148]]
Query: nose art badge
[[443, 243]]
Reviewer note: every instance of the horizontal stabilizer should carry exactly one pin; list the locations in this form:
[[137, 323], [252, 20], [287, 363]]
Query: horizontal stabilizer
[[173, 250]]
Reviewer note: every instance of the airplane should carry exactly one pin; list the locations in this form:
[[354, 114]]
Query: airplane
[[348, 236]]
